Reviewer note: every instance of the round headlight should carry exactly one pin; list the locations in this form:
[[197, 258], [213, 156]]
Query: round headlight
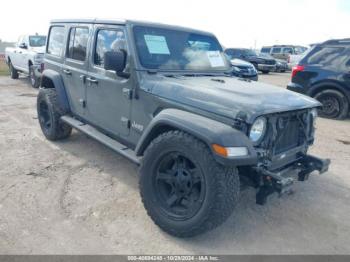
[[258, 129]]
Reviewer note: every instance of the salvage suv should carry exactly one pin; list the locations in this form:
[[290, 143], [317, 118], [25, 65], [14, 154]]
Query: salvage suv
[[164, 97]]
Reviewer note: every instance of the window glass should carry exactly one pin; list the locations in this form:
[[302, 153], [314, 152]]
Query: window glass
[[37, 40], [108, 40], [170, 49], [288, 50], [265, 50], [324, 55], [276, 50], [78, 39], [55, 44], [231, 53]]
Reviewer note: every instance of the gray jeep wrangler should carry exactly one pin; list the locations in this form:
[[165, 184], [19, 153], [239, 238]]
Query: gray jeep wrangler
[[164, 97]]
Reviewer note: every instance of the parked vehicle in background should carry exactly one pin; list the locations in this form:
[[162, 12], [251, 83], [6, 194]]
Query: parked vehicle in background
[[244, 69], [324, 73], [283, 51], [265, 65], [293, 60], [27, 57], [281, 65], [163, 96]]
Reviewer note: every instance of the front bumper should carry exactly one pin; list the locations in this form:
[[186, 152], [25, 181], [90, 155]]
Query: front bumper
[[264, 67], [251, 77], [281, 180]]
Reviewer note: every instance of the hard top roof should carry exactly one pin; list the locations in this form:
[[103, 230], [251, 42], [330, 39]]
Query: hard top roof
[[125, 22], [344, 41]]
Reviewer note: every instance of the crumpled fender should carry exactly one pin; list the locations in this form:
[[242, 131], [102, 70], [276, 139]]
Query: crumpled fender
[[207, 130]]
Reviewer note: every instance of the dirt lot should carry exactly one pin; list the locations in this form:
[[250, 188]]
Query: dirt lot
[[77, 196]]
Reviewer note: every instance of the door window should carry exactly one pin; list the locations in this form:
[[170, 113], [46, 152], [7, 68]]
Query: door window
[[324, 55], [265, 50], [77, 45], [276, 50], [56, 38], [108, 40], [287, 50]]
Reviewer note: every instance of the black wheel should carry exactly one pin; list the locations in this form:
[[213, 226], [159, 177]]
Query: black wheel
[[335, 104], [13, 71], [34, 81], [184, 190], [265, 71], [49, 114]]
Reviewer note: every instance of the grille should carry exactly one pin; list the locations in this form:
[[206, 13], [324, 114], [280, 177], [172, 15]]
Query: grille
[[288, 134]]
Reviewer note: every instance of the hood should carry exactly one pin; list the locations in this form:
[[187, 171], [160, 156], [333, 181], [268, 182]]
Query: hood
[[39, 49], [240, 62], [231, 97]]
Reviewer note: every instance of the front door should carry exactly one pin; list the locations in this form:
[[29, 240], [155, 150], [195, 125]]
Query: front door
[[75, 67], [108, 95]]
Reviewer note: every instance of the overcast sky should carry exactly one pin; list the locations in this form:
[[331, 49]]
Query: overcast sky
[[243, 23]]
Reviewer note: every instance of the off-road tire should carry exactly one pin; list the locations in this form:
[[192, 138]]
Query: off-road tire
[[56, 130], [34, 81], [340, 98], [222, 185], [13, 71]]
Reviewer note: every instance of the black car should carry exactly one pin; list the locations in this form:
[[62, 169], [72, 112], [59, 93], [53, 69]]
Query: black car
[[324, 73], [263, 64], [243, 69]]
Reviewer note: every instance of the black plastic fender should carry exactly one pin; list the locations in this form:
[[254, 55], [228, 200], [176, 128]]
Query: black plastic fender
[[52, 79], [207, 130]]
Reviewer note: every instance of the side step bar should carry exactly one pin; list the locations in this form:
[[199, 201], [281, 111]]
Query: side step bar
[[102, 138]]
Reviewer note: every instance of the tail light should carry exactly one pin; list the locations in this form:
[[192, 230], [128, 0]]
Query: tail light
[[288, 60], [296, 69]]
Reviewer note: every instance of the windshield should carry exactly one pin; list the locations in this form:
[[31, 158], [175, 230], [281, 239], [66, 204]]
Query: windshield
[[168, 49], [37, 40], [249, 52]]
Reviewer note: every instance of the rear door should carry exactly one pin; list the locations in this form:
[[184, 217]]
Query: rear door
[[108, 95], [75, 67], [286, 52], [276, 52]]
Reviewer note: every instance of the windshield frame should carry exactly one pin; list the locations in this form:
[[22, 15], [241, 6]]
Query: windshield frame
[[140, 67]]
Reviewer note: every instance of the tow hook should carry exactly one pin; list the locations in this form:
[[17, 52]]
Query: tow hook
[[280, 183]]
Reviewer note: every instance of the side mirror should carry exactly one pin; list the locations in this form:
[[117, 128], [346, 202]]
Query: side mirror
[[23, 46], [116, 61]]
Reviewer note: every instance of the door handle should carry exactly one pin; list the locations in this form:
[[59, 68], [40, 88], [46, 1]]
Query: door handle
[[82, 78], [67, 72], [92, 80]]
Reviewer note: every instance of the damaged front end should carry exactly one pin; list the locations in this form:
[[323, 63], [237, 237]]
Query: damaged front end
[[282, 153]]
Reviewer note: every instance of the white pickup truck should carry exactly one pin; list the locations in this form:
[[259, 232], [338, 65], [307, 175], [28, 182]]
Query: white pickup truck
[[27, 57]]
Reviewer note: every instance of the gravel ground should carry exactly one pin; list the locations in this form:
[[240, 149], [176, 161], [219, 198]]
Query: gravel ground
[[78, 197]]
